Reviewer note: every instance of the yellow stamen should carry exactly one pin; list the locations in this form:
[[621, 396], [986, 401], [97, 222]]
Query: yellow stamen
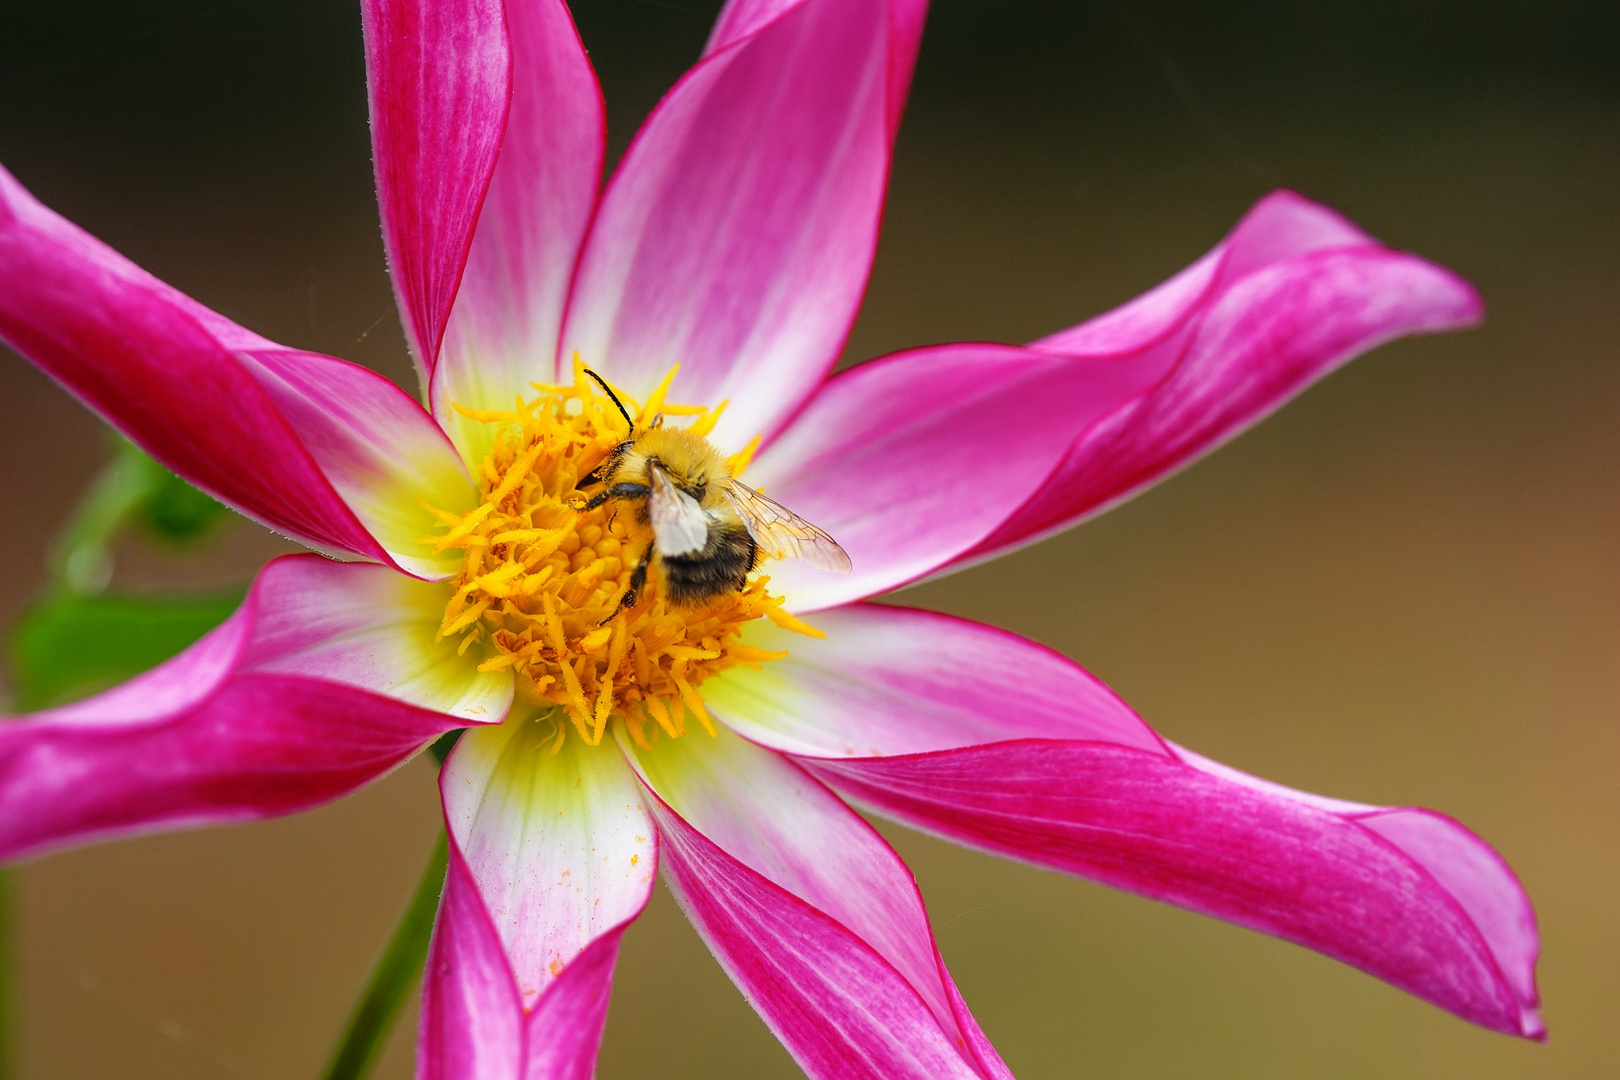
[[542, 578], [788, 622], [634, 724], [466, 618], [741, 459], [655, 401], [444, 517], [485, 416], [660, 713], [604, 706], [462, 528], [705, 423]]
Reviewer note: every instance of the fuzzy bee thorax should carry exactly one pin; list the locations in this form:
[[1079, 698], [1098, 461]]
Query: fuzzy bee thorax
[[690, 461]]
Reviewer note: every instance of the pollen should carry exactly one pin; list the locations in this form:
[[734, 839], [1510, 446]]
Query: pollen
[[542, 578]]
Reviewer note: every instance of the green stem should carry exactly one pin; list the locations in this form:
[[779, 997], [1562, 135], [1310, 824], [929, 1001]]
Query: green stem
[[80, 561], [392, 977]]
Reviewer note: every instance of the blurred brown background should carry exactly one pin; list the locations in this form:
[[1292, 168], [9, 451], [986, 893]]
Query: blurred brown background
[[1403, 589]]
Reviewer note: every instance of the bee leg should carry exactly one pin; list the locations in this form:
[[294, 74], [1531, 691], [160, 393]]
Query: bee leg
[[605, 466], [617, 491], [632, 592]]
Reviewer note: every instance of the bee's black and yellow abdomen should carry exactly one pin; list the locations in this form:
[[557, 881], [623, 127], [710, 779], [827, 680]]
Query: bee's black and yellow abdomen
[[721, 567]]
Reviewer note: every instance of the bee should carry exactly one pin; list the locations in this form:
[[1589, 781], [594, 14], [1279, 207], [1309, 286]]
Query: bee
[[708, 529]]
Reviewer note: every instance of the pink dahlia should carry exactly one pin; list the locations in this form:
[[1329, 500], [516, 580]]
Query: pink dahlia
[[477, 588]]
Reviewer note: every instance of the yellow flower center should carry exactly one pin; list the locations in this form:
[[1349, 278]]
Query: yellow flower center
[[542, 578]]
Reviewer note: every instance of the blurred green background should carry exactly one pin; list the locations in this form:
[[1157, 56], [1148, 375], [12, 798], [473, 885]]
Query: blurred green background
[[1403, 589]]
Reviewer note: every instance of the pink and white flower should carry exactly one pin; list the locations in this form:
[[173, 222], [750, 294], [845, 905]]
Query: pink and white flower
[[734, 239]]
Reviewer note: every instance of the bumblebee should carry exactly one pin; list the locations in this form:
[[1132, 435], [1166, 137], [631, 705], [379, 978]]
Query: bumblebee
[[708, 530]]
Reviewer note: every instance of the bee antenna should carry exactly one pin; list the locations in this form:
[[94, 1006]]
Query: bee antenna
[[608, 390]]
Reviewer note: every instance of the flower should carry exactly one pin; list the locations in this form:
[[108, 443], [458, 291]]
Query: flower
[[716, 741]]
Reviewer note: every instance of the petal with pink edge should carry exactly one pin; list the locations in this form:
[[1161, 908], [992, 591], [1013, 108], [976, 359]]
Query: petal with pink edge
[[1404, 894], [890, 680], [741, 18], [736, 236], [439, 81], [1294, 292], [911, 460], [552, 856], [299, 697], [1065, 775], [368, 627], [387, 459], [325, 450], [810, 912], [560, 844], [472, 1022], [98, 326], [503, 329], [905, 459]]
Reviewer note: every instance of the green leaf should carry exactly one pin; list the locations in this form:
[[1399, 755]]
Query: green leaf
[[445, 743], [70, 646], [175, 511], [132, 487]]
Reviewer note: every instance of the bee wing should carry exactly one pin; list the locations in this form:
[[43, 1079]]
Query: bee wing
[[783, 534], [678, 523]]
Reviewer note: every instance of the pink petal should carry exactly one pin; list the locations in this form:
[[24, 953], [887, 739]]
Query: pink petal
[[439, 78], [552, 857], [1394, 892], [890, 680], [913, 459], [102, 329], [1064, 775], [565, 1026], [811, 914], [322, 449], [380, 450], [560, 844], [943, 456], [1291, 294], [737, 234], [296, 699], [741, 18], [503, 329], [367, 627], [472, 1022]]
